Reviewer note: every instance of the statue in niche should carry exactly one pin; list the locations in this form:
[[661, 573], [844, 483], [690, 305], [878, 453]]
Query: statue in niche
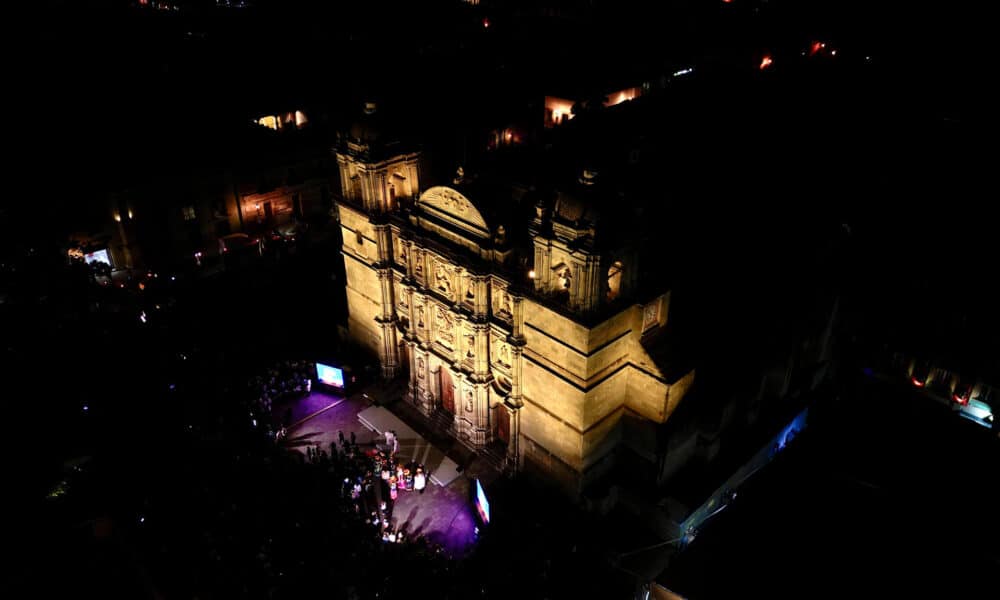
[[468, 401], [402, 254], [420, 316], [472, 344], [419, 264], [505, 305], [420, 368], [443, 283], [504, 355], [649, 315]]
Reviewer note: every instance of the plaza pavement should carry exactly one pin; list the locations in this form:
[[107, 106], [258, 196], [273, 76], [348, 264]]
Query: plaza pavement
[[443, 515]]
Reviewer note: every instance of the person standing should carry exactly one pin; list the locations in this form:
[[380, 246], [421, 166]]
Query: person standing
[[420, 480]]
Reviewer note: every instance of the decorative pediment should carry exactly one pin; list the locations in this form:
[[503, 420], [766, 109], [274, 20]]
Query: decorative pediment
[[452, 207]]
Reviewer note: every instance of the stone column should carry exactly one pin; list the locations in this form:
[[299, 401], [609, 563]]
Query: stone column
[[517, 316], [411, 330], [366, 189], [389, 350], [481, 434], [412, 387], [515, 402], [460, 343], [543, 279], [481, 330], [427, 399], [383, 241], [414, 178], [431, 321], [481, 291], [409, 259], [596, 282], [383, 192], [458, 289], [513, 458], [345, 177], [434, 385]]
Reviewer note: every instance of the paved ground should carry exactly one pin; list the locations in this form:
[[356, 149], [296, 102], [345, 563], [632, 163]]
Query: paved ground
[[443, 515], [412, 446]]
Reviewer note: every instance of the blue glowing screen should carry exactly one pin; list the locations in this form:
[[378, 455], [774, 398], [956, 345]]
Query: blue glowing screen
[[482, 504], [330, 375]]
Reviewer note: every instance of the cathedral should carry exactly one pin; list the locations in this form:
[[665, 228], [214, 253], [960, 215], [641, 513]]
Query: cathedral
[[519, 324]]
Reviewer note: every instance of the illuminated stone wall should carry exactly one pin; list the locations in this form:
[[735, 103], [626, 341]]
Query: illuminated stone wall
[[477, 350]]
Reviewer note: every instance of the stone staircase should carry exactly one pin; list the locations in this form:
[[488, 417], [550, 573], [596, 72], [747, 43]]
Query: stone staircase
[[441, 420], [488, 462]]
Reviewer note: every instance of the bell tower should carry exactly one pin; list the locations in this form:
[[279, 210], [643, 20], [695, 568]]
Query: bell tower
[[377, 177], [376, 173]]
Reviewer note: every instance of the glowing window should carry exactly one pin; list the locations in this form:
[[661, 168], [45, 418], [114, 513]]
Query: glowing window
[[270, 121]]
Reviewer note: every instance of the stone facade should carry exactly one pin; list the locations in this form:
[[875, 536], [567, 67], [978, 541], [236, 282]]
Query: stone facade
[[544, 359]]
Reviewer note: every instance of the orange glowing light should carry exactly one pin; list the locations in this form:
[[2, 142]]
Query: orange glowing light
[[766, 62], [531, 274]]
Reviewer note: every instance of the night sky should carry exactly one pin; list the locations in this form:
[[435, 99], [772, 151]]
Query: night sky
[[864, 174]]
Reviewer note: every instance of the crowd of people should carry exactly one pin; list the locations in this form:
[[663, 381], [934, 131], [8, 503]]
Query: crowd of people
[[286, 380], [373, 478]]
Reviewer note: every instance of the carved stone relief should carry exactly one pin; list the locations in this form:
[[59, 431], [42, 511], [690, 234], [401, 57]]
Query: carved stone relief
[[505, 305], [442, 281], [650, 315], [445, 327], [501, 352], [504, 357]]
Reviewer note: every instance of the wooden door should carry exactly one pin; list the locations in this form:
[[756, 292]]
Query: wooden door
[[447, 391]]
